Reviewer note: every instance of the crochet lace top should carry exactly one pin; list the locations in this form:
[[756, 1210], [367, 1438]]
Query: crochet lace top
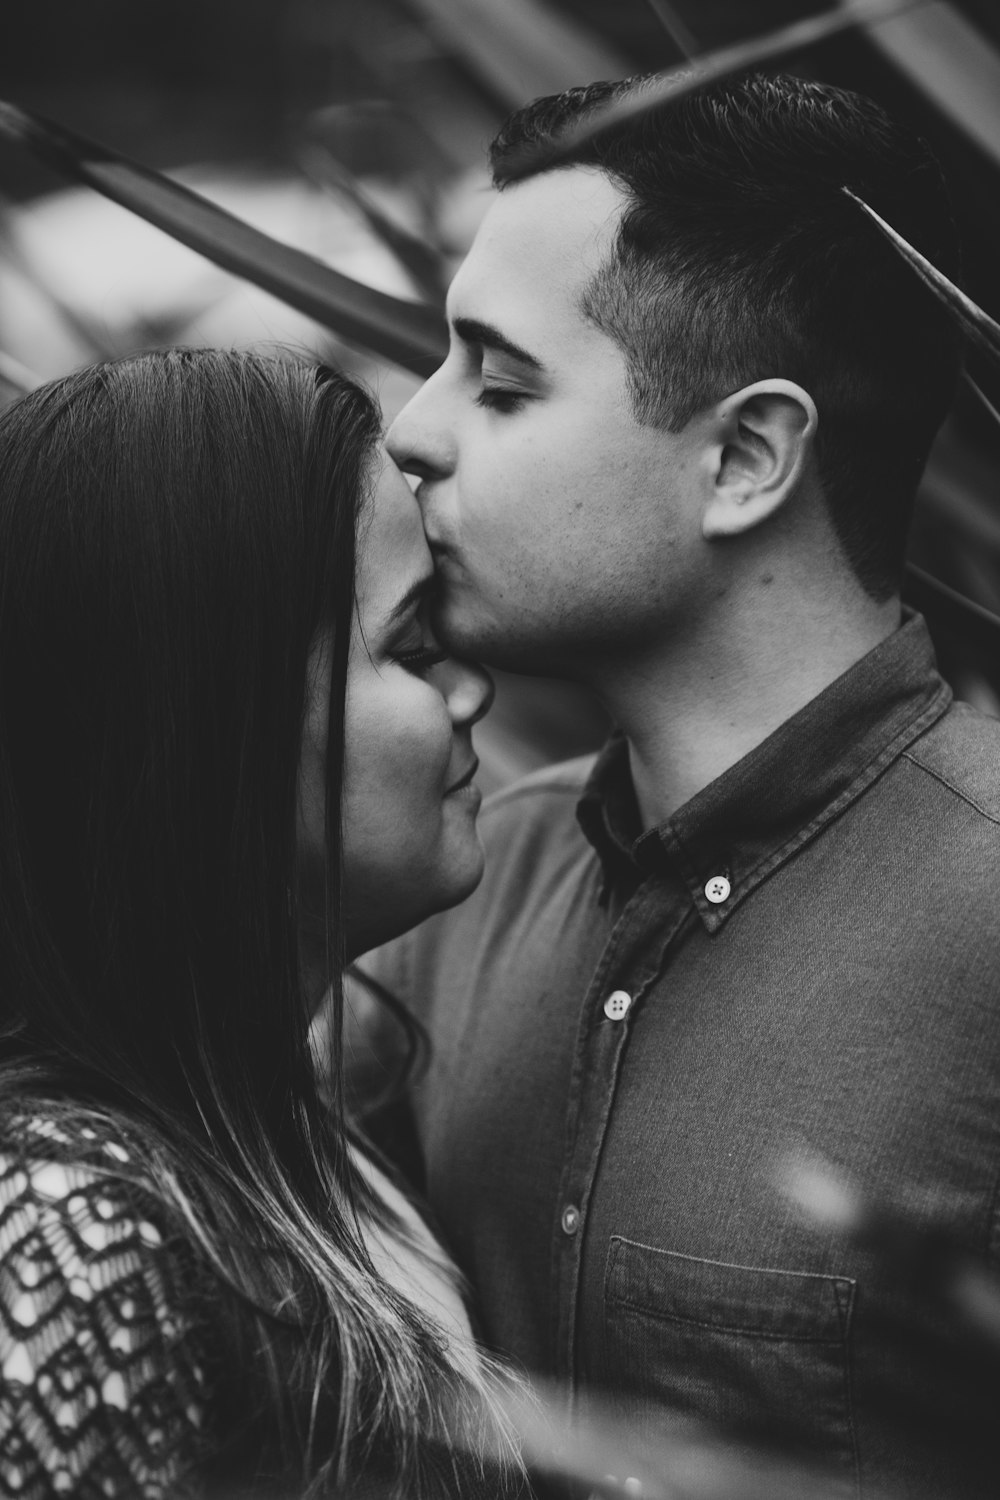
[[103, 1350], [116, 1376]]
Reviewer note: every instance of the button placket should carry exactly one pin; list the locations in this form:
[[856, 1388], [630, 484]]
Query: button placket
[[636, 949]]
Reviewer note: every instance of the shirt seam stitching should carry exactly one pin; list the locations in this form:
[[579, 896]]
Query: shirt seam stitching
[[782, 1335], [619, 1240], [892, 753], [944, 781]]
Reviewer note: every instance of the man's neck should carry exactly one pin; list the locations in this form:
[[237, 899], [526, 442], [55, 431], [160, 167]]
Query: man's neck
[[694, 711]]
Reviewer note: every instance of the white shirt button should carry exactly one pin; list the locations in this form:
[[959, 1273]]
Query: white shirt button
[[616, 1006], [570, 1219], [718, 889]]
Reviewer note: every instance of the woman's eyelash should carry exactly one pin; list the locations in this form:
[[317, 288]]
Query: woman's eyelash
[[421, 658], [495, 398]]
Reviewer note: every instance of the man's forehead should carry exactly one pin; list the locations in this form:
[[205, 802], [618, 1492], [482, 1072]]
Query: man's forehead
[[547, 234]]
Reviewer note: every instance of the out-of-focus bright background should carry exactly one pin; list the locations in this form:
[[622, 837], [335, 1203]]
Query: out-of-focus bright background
[[288, 112]]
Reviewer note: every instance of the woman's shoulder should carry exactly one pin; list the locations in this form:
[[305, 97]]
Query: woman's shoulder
[[86, 1168], [38, 1127], [102, 1341]]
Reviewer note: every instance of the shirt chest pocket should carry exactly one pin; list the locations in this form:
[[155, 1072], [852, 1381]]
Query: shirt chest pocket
[[760, 1350]]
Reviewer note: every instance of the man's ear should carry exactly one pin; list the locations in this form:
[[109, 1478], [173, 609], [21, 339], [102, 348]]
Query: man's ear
[[764, 435]]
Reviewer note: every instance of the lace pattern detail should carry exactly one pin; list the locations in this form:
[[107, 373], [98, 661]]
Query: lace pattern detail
[[102, 1359]]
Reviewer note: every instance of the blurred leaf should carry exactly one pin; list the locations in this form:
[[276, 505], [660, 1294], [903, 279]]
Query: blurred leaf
[[957, 498], [955, 65], [678, 82], [18, 376], [978, 326], [520, 48], [981, 397], [675, 28], [418, 259], [946, 607], [685, 1459], [410, 334], [966, 508], [87, 332], [926, 1257]]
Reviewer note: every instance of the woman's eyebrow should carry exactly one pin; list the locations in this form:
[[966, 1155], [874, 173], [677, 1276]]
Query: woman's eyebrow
[[472, 331], [417, 593]]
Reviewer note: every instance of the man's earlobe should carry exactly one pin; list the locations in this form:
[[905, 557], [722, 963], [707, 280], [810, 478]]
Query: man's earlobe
[[764, 438]]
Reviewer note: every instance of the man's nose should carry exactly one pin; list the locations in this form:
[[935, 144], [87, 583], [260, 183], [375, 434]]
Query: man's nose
[[419, 440]]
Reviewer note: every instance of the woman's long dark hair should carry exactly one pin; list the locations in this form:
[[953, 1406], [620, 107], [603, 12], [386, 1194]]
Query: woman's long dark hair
[[174, 530]]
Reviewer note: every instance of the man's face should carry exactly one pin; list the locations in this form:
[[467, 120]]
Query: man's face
[[561, 528]]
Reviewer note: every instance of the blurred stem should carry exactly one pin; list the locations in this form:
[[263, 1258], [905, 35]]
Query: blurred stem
[[971, 622], [677, 83], [418, 260], [981, 396], [675, 28], [18, 376]]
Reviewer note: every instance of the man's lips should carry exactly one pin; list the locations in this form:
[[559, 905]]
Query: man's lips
[[466, 780], [435, 542]]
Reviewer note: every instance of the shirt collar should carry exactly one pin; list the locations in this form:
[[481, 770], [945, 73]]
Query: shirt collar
[[759, 812]]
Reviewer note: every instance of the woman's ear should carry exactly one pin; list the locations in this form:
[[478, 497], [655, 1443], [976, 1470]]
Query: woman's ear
[[765, 435]]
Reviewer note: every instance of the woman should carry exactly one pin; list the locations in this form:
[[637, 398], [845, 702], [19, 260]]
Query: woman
[[224, 771]]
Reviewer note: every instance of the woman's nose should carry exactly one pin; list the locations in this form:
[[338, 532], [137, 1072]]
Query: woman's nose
[[467, 689]]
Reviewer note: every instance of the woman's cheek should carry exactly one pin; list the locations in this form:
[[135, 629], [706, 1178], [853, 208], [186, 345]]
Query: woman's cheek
[[430, 734]]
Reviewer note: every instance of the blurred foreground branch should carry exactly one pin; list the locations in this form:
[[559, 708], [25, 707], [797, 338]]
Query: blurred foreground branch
[[410, 334]]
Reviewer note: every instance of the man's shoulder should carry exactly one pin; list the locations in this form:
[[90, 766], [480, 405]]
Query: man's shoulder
[[961, 755]]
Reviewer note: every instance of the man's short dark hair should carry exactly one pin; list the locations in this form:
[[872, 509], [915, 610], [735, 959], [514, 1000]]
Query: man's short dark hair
[[739, 257]]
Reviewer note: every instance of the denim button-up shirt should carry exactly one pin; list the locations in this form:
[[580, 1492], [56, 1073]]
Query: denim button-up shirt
[[632, 1034]]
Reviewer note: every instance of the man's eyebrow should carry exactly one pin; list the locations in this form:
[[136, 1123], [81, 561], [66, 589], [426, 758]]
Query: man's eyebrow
[[422, 589], [471, 331]]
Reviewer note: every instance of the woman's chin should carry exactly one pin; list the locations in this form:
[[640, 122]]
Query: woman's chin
[[458, 880]]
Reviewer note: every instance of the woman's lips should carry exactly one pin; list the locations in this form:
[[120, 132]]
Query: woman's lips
[[464, 782]]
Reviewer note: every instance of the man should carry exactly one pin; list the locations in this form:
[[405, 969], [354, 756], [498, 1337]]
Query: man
[[671, 456]]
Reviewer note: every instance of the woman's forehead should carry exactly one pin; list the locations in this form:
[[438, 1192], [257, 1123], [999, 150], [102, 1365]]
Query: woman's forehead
[[395, 568]]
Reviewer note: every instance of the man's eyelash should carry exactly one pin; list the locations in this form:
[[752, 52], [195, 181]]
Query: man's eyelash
[[494, 398]]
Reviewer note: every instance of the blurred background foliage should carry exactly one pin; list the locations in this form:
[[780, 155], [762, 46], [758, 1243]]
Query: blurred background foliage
[[356, 132]]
